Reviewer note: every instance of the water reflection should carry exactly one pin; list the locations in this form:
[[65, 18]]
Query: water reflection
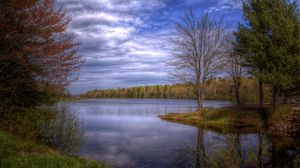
[[235, 150], [128, 133]]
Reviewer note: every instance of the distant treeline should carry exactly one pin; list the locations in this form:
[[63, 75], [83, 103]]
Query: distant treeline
[[219, 88]]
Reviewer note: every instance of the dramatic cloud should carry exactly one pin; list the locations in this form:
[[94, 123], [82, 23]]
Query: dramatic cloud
[[125, 42]]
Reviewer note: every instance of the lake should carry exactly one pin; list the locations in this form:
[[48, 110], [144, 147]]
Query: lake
[[129, 133]]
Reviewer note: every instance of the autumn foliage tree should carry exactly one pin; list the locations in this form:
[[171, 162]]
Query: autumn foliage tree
[[37, 56]]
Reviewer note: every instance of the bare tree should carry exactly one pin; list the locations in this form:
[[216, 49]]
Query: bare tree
[[199, 48], [235, 71]]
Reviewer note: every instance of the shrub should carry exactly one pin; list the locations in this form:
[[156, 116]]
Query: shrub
[[64, 132], [26, 122]]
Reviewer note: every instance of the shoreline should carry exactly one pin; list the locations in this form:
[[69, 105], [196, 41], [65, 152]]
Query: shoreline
[[17, 152], [243, 118]]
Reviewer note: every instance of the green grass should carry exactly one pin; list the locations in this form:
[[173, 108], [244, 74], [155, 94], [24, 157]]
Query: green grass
[[279, 114], [246, 117], [18, 153], [243, 116]]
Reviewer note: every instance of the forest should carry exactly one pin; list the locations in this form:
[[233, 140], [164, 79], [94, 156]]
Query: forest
[[216, 89]]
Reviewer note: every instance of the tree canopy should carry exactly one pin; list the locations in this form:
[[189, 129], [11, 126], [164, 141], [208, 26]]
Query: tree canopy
[[37, 55], [268, 42]]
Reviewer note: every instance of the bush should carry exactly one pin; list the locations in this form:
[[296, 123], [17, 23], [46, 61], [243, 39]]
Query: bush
[[26, 122], [56, 126], [64, 132]]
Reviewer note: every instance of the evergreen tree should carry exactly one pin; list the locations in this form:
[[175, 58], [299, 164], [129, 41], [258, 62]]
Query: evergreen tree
[[268, 42]]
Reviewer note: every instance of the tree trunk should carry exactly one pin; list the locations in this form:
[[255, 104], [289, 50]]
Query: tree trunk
[[237, 93], [274, 96], [285, 97], [200, 96], [261, 96]]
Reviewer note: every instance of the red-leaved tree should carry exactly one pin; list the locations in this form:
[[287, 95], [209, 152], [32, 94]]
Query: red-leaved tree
[[37, 54]]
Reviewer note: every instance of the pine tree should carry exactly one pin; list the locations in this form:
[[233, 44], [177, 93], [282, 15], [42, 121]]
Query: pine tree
[[268, 42]]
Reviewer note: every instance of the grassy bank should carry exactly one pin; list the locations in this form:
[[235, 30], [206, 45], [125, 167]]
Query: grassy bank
[[18, 153], [279, 114], [234, 117], [246, 118]]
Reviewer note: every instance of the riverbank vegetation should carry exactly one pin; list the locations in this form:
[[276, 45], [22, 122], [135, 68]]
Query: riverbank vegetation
[[48, 136], [19, 153], [38, 59], [242, 118], [231, 117]]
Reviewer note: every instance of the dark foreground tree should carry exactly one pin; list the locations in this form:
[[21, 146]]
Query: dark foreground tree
[[199, 47], [37, 56]]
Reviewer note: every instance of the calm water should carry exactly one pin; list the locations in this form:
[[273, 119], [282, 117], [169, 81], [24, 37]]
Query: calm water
[[128, 133]]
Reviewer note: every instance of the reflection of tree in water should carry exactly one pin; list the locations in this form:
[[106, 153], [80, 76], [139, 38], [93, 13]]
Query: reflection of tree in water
[[230, 155], [285, 153], [201, 162], [189, 157], [234, 153], [201, 156]]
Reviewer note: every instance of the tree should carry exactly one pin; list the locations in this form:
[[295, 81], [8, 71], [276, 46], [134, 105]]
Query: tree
[[249, 44], [37, 56], [268, 42], [16, 82], [199, 46], [236, 71], [283, 67]]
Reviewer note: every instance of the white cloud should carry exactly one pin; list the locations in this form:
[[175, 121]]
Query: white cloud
[[225, 6], [125, 42], [112, 45]]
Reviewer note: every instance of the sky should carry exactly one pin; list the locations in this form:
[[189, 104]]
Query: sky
[[125, 43]]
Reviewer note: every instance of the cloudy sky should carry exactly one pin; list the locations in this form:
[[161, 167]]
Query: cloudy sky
[[125, 42]]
